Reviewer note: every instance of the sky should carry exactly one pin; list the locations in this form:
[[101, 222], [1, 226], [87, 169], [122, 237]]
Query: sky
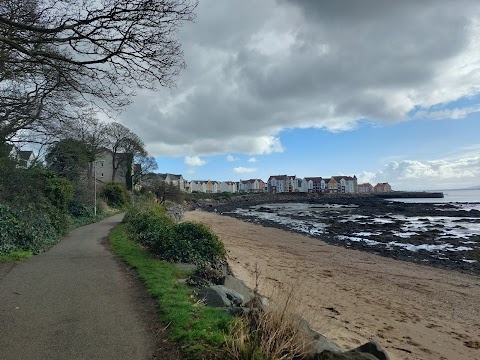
[[384, 90]]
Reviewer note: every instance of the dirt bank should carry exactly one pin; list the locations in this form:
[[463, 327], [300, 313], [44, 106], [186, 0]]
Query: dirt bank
[[413, 311]]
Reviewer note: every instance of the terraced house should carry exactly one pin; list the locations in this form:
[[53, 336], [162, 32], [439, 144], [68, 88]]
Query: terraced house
[[251, 186], [282, 183], [335, 184]]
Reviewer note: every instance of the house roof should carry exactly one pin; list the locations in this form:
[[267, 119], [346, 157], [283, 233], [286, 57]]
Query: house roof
[[314, 179], [24, 155], [338, 178], [281, 177], [172, 176], [251, 181], [365, 184]]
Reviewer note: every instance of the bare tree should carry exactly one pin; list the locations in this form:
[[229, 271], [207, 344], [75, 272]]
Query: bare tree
[[103, 50], [124, 146], [144, 165]]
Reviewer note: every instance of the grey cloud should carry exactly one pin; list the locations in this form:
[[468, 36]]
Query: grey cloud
[[255, 68]]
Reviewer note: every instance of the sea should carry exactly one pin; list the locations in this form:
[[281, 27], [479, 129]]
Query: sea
[[448, 238], [450, 196]]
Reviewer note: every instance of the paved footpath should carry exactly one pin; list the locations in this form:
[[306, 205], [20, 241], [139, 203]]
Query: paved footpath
[[73, 302]]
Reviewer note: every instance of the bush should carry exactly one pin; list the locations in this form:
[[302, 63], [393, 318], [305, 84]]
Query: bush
[[115, 194], [25, 230], [198, 243], [78, 209], [59, 192], [184, 242], [10, 229]]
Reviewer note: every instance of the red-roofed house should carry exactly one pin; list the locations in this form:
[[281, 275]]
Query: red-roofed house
[[342, 184], [313, 184], [383, 187], [282, 183], [365, 188]]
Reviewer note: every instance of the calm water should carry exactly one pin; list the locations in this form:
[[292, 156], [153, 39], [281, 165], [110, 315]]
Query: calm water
[[450, 196]]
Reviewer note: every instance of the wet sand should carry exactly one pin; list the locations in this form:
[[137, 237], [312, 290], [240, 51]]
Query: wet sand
[[413, 311]]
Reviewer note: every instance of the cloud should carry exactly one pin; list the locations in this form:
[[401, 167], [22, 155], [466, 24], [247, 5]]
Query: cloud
[[252, 160], [302, 64], [244, 170], [194, 161], [456, 113], [230, 158], [425, 175]]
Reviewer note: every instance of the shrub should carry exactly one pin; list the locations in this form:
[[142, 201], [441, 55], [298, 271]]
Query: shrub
[[77, 209], [10, 229], [200, 244], [149, 225], [184, 242], [26, 230], [59, 192], [115, 194]]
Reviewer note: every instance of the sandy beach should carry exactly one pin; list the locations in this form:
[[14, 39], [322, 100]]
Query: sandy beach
[[413, 311]]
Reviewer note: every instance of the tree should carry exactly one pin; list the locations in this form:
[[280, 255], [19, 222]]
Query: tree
[[144, 165], [166, 191], [69, 158], [124, 146], [101, 50]]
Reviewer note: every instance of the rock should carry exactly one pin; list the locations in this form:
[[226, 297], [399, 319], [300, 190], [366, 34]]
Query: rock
[[332, 355], [372, 348], [368, 351], [319, 342], [239, 286], [220, 296]]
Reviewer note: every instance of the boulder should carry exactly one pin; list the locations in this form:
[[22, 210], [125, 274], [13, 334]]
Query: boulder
[[220, 296], [368, 351], [332, 355], [239, 286], [372, 348], [319, 342]]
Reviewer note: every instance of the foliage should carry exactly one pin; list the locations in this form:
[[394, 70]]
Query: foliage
[[115, 194], [36, 209], [68, 158], [26, 230], [183, 242], [169, 192], [200, 330], [198, 243], [59, 191]]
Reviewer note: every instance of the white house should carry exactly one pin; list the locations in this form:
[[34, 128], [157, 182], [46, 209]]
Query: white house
[[228, 186], [342, 184], [24, 158], [198, 186], [251, 185], [282, 183]]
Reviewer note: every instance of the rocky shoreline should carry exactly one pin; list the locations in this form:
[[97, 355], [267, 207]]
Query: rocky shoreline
[[416, 232]]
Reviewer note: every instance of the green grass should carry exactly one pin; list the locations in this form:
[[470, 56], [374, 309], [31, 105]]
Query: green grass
[[16, 256], [199, 330]]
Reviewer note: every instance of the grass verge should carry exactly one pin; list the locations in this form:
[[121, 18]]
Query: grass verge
[[198, 329], [16, 256]]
